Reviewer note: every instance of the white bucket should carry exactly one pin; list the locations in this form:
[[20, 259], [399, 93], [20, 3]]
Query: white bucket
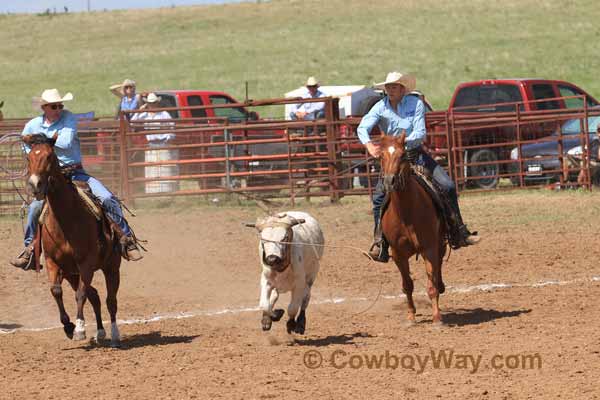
[[161, 171]]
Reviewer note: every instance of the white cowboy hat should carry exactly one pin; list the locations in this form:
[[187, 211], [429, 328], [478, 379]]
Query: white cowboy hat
[[50, 96], [153, 98], [406, 80], [312, 81]]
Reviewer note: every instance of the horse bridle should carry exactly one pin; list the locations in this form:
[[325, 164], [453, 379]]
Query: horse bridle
[[397, 181]]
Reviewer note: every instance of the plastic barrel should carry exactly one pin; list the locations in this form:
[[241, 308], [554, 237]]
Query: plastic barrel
[[161, 171]]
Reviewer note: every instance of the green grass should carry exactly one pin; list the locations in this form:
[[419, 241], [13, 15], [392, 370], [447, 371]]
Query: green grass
[[276, 45]]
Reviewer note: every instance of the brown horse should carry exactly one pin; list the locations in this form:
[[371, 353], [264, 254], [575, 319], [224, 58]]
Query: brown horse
[[411, 224], [75, 243]]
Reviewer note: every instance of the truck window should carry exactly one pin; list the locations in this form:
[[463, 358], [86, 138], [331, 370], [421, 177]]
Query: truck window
[[167, 100], [566, 91], [545, 91], [196, 101], [235, 114], [472, 96]]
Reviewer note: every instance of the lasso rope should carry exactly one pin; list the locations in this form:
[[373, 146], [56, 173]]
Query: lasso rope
[[12, 176]]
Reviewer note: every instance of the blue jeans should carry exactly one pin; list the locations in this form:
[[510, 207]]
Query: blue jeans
[[439, 175], [109, 203], [310, 116]]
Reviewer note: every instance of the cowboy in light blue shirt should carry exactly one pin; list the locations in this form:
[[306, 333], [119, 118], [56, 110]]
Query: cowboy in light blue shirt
[[310, 111], [395, 113], [409, 116], [67, 147], [61, 125]]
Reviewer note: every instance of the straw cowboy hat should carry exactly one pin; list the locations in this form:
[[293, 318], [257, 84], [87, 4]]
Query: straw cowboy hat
[[153, 98], [312, 81], [50, 96], [406, 80]]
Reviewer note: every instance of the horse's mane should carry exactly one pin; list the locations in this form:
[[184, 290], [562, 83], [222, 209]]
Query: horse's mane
[[39, 138]]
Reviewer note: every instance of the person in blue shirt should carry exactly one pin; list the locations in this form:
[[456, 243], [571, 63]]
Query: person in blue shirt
[[399, 112], [61, 124], [129, 99], [309, 111]]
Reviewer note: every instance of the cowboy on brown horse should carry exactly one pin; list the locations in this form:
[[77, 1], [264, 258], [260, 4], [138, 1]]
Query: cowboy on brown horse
[[398, 113], [58, 123]]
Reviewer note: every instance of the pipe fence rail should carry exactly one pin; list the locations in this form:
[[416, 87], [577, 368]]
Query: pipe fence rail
[[142, 159]]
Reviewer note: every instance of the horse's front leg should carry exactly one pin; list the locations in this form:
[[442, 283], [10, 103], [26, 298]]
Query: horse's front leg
[[407, 286], [55, 279], [81, 296]]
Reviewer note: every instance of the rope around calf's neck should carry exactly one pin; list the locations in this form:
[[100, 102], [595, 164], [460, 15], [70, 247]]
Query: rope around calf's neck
[[372, 304]]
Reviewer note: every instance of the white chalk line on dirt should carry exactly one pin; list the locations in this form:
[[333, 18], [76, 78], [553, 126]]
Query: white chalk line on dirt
[[486, 287]]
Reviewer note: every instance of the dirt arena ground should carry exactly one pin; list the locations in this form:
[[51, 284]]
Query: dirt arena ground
[[521, 313]]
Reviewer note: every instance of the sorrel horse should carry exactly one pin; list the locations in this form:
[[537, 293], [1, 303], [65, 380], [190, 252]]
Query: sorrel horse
[[75, 243], [411, 224]]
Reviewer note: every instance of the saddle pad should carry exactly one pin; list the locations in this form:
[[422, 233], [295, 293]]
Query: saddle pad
[[89, 199]]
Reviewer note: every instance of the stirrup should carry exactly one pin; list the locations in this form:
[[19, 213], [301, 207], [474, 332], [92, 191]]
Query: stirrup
[[468, 238], [377, 252], [129, 249], [22, 261]]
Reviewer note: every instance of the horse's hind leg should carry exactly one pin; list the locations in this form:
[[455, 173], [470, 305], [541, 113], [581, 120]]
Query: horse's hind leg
[[407, 286], [55, 279], [434, 273], [112, 278], [92, 294]]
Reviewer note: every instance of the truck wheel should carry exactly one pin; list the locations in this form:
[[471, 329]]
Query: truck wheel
[[488, 156]]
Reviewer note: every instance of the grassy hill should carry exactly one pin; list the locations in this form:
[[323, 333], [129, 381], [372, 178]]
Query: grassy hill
[[276, 45]]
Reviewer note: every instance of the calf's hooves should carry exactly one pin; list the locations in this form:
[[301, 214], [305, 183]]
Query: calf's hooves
[[69, 328], [291, 326], [277, 314], [266, 323]]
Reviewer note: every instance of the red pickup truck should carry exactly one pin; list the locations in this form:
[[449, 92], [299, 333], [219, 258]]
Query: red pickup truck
[[189, 98], [495, 96]]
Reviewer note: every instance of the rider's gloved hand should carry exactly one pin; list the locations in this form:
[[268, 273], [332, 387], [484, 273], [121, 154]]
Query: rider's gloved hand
[[412, 155]]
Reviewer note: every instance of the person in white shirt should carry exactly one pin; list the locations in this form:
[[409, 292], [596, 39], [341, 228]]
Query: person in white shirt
[[309, 111], [153, 102], [160, 144]]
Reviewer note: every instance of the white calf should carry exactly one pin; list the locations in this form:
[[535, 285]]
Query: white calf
[[288, 267]]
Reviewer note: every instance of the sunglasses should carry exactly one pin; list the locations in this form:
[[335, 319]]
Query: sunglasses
[[56, 106], [128, 87]]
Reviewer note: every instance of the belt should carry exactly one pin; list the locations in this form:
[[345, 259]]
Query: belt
[[72, 166]]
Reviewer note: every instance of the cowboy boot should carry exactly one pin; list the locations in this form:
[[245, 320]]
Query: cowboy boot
[[379, 250], [465, 237], [25, 259], [127, 244]]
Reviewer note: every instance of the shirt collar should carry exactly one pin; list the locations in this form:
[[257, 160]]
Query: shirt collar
[[47, 125], [389, 105]]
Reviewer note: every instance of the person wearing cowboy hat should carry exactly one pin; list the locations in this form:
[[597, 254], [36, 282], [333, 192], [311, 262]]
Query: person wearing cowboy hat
[[399, 112], [152, 102], [60, 124], [309, 111], [129, 99]]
